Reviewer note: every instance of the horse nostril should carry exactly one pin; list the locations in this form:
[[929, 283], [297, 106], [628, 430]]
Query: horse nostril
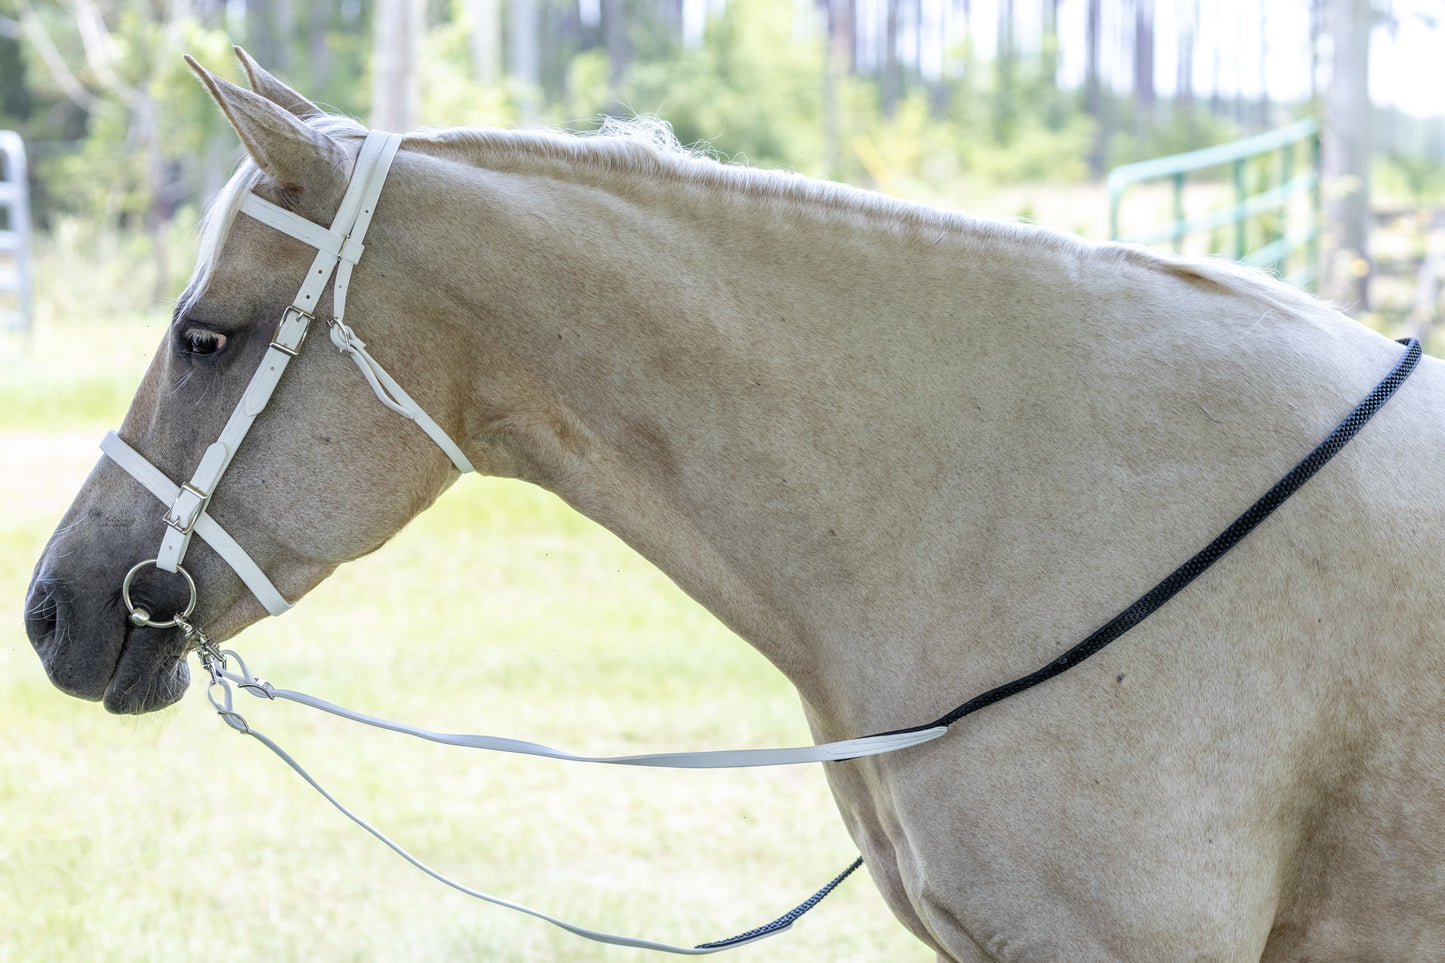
[[42, 613]]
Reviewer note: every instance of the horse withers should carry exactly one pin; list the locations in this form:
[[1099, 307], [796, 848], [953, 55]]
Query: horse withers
[[907, 455]]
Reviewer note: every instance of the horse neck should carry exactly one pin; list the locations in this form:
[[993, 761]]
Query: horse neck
[[829, 419]]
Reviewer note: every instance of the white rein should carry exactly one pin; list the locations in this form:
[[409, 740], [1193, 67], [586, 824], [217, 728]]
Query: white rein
[[339, 248]]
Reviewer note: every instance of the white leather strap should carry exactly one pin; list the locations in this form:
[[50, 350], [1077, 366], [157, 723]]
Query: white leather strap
[[217, 662], [378, 150], [218, 456], [714, 759], [215, 536], [597, 936], [288, 222], [394, 396]]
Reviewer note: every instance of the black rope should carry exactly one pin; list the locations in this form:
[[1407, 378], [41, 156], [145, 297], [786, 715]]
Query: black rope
[[788, 918], [1151, 600], [1212, 553]]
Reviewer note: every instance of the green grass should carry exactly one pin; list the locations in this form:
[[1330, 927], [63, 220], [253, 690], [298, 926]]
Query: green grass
[[170, 837]]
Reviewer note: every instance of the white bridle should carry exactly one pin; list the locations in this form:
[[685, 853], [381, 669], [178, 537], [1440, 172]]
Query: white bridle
[[338, 249]]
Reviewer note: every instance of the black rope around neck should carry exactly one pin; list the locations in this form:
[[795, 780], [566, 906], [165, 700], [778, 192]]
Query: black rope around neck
[[1213, 552], [1151, 600]]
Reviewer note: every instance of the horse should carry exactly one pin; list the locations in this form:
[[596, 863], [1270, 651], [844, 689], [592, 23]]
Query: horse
[[907, 455]]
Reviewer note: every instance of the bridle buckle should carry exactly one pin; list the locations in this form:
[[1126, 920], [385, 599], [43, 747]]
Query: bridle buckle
[[189, 504], [291, 331]]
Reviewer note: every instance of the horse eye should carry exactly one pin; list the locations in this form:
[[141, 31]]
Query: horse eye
[[201, 342]]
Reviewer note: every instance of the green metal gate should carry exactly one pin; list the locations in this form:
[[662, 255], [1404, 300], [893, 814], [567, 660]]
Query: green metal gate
[[1272, 246]]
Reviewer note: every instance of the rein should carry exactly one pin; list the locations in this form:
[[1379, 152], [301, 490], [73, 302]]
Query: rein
[[338, 250]]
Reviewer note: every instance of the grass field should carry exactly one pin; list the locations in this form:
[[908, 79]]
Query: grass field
[[169, 837]]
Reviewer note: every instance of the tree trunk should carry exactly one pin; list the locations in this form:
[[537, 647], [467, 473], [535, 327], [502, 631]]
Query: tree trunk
[[485, 17], [1093, 88], [1346, 156], [1318, 26], [1005, 107], [889, 91], [839, 16], [395, 89], [940, 93], [318, 46], [619, 46], [1145, 97], [1049, 45], [269, 27], [524, 44], [1264, 104], [1184, 83]]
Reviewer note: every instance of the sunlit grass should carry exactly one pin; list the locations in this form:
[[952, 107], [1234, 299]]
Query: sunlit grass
[[171, 837]]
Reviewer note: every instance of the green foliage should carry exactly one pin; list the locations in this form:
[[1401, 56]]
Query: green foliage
[[759, 90], [751, 93], [1183, 131], [143, 115], [1413, 180], [452, 96]]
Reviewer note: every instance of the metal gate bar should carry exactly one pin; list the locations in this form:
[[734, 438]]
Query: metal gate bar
[[1275, 252]]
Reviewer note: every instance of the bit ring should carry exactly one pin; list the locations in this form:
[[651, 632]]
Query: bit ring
[[140, 616]]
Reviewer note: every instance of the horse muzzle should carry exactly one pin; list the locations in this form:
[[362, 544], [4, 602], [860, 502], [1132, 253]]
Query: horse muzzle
[[93, 651]]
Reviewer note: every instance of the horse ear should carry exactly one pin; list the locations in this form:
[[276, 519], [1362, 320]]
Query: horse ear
[[309, 167], [274, 90]]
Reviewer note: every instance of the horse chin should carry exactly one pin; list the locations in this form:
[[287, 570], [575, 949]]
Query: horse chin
[[151, 674]]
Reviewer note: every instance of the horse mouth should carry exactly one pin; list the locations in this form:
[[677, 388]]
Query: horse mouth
[[149, 676], [128, 669]]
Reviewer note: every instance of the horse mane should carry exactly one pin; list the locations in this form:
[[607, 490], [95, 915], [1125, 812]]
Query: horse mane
[[647, 145]]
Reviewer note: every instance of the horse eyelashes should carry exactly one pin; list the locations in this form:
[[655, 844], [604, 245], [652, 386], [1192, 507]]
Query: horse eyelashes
[[201, 342]]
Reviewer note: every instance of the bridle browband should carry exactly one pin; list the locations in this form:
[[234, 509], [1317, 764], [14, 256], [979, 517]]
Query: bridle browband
[[339, 248]]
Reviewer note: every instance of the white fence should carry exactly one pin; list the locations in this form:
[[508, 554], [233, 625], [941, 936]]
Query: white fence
[[16, 299]]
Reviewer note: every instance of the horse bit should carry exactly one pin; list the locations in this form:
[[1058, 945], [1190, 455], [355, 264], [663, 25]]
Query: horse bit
[[339, 248]]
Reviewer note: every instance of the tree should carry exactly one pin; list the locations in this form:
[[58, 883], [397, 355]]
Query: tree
[[618, 44], [1094, 87], [1145, 97], [485, 20], [524, 29], [1006, 62], [1346, 154], [1184, 83], [840, 18], [891, 81], [395, 88]]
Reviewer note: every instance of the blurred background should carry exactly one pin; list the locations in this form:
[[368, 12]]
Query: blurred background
[[1305, 136], [1000, 107]]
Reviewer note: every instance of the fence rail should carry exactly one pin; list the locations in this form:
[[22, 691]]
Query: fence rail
[[16, 292], [1277, 246]]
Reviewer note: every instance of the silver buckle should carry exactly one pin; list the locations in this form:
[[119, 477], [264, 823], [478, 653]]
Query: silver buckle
[[291, 314], [185, 526]]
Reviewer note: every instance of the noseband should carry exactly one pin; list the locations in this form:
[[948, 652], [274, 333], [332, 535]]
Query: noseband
[[338, 249]]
